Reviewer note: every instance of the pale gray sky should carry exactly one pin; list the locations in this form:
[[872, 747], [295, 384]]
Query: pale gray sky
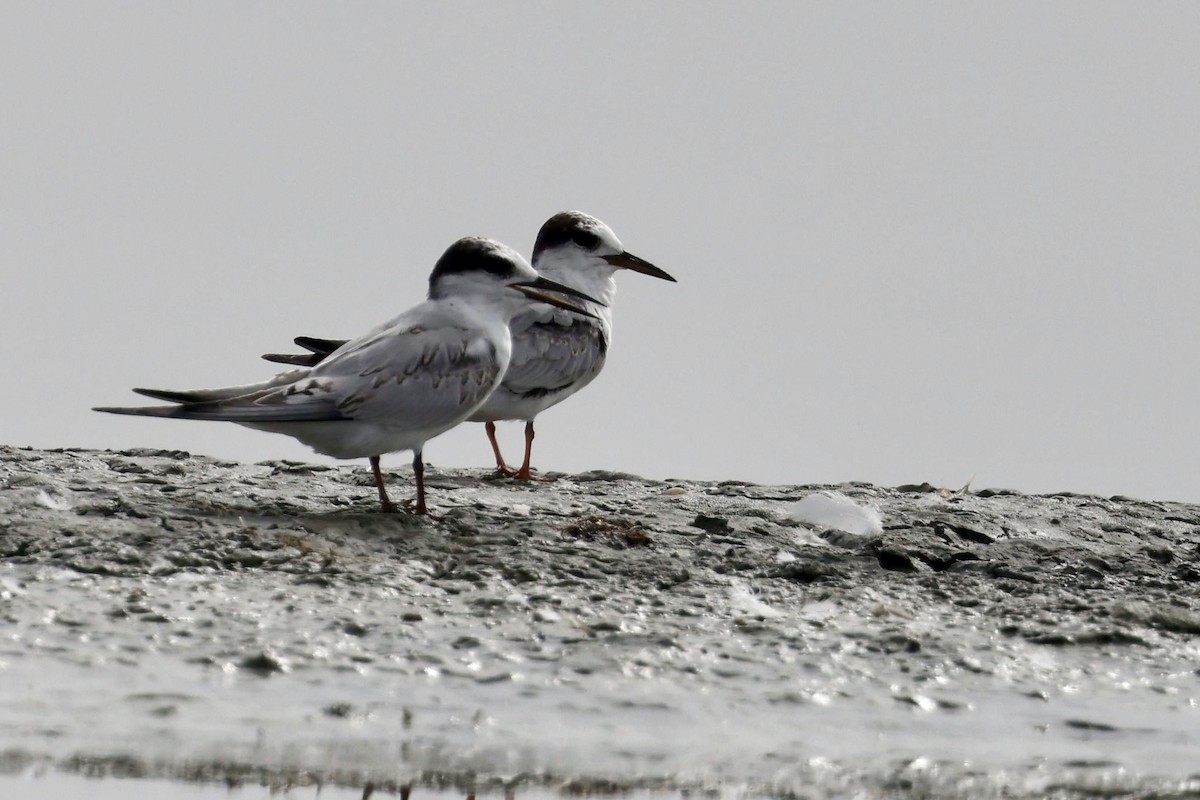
[[913, 241]]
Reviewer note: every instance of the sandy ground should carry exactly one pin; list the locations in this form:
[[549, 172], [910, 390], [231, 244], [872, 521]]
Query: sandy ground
[[174, 616]]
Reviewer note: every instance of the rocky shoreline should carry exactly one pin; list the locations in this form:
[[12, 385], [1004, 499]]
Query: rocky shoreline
[[605, 631]]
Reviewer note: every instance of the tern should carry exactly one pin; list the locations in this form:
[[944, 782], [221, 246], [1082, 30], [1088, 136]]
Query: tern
[[405, 381], [555, 354]]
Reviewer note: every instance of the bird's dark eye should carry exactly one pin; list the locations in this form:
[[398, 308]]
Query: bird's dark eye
[[586, 239], [496, 264]]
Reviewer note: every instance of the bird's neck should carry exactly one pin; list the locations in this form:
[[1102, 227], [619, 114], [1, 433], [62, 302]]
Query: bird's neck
[[599, 283], [487, 316]]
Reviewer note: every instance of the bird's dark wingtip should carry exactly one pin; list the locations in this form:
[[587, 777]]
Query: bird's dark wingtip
[[318, 345], [111, 410], [304, 360], [164, 394], [146, 411]]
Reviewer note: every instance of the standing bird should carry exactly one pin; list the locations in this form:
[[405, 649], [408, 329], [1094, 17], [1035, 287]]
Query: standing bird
[[554, 354], [404, 382]]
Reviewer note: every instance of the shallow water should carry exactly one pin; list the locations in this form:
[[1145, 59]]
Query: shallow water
[[754, 724]]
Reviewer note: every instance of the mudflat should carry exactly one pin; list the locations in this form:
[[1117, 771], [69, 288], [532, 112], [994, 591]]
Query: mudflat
[[167, 615]]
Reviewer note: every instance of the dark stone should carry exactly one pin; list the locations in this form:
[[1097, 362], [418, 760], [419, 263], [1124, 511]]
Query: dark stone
[[1186, 572], [711, 524], [997, 493], [804, 571], [1160, 554], [917, 488], [263, 664], [1087, 725], [1005, 571], [895, 560]]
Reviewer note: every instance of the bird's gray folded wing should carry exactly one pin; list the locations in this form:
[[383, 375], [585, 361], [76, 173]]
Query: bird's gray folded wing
[[410, 376], [550, 355], [418, 376]]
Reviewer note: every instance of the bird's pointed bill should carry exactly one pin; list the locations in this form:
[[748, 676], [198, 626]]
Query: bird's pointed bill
[[630, 261]]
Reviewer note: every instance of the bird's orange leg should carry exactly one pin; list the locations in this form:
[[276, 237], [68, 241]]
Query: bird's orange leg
[[524, 473], [384, 500], [501, 467], [418, 506]]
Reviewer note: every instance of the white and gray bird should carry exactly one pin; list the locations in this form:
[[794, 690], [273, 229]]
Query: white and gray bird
[[402, 383], [555, 354]]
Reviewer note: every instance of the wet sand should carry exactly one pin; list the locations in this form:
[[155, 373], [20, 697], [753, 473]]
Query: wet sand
[[169, 616]]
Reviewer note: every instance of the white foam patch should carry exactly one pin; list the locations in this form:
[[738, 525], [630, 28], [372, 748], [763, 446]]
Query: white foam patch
[[745, 603], [9, 588], [806, 538], [44, 498], [834, 510], [819, 610]]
